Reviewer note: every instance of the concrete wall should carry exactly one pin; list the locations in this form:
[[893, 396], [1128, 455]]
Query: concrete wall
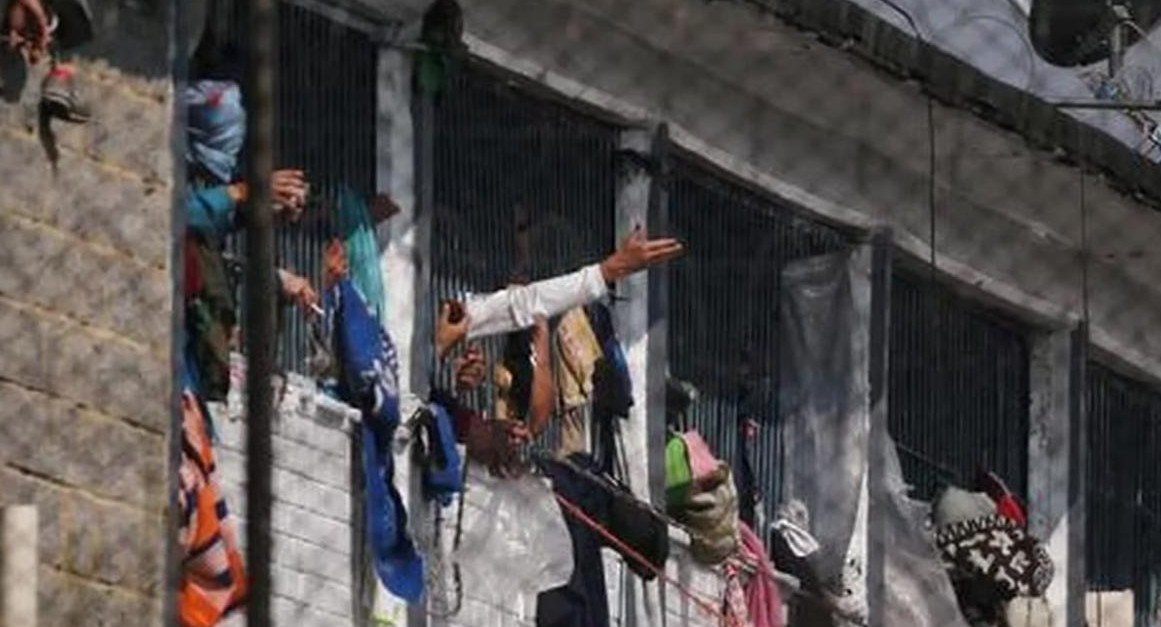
[[85, 302], [312, 509], [828, 131]]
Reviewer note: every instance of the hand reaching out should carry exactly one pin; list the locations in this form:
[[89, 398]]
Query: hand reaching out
[[299, 291], [26, 26], [288, 189], [637, 253], [451, 327]]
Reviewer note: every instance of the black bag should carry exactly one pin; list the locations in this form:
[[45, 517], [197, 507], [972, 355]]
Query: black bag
[[637, 525], [640, 527]]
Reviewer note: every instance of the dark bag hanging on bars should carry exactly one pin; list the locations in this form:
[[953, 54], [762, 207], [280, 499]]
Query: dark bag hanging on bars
[[637, 526], [635, 523], [641, 528]]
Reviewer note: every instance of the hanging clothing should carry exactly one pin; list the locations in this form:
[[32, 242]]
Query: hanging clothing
[[210, 210], [462, 416], [612, 386], [518, 306], [210, 317], [370, 382], [763, 599], [702, 463], [213, 578], [735, 612], [584, 601], [441, 469], [712, 516], [955, 505], [1007, 504], [711, 509], [995, 553], [678, 475], [514, 545], [358, 232], [798, 540], [576, 355], [745, 481], [216, 128]]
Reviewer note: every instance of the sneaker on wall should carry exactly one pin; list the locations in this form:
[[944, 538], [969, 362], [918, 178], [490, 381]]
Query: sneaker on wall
[[60, 97]]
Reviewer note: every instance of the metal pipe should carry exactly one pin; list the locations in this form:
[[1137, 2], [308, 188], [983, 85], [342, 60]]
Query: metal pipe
[[1100, 104], [261, 329]]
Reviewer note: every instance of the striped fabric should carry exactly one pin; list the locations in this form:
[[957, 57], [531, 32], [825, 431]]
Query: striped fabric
[[213, 579]]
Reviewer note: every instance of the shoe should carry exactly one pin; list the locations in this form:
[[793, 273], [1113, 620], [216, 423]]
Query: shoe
[[60, 98]]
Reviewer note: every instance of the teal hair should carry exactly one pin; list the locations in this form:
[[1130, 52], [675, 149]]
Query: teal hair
[[358, 233]]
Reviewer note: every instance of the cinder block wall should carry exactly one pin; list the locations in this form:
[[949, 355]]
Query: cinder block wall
[[85, 303], [312, 507]]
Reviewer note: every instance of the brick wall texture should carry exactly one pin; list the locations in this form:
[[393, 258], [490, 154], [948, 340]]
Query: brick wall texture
[[85, 304], [312, 507]]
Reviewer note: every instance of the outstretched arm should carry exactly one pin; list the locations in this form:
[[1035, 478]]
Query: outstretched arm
[[518, 307]]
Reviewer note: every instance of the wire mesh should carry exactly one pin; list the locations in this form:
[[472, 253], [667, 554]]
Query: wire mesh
[[793, 127]]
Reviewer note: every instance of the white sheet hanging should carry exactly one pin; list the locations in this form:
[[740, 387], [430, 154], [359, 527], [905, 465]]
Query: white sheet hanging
[[515, 545]]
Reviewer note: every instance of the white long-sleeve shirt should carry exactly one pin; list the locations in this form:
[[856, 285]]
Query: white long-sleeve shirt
[[517, 307]]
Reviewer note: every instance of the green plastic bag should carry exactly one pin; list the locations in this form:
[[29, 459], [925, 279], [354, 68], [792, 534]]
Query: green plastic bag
[[678, 476]]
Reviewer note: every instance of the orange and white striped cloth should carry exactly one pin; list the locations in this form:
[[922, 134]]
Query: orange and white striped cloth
[[213, 579]]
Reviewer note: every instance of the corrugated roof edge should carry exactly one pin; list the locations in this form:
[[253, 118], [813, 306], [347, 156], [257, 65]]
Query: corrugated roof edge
[[955, 83]]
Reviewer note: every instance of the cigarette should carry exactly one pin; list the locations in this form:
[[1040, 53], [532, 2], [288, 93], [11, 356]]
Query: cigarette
[[318, 310]]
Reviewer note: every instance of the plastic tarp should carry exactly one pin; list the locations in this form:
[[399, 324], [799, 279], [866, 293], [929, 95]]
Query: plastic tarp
[[917, 590], [828, 447], [515, 544], [824, 395]]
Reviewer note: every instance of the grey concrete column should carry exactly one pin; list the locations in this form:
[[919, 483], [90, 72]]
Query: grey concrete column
[[877, 372], [1051, 447], [401, 162], [641, 324]]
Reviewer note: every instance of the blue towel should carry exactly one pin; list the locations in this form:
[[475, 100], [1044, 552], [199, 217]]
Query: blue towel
[[442, 481], [358, 233], [370, 382]]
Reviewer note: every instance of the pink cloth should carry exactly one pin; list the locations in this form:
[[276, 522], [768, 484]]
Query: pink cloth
[[702, 462], [762, 596], [737, 610]]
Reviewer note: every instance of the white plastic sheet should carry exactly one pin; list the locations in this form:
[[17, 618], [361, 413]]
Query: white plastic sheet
[[918, 590], [515, 545], [824, 395]]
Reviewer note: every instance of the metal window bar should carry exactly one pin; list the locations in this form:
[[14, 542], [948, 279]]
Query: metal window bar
[[497, 146], [959, 387], [326, 99], [724, 307], [1124, 489]]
